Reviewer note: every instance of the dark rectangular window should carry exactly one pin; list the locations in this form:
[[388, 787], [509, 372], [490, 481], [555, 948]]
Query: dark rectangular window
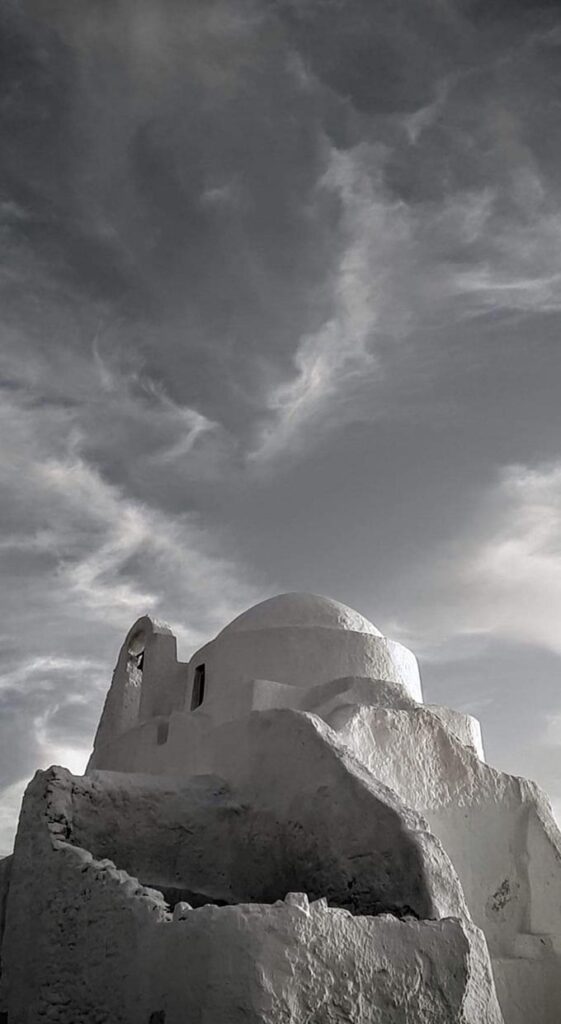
[[162, 734], [198, 694]]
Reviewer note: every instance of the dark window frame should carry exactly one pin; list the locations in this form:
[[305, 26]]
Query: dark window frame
[[162, 733], [198, 691]]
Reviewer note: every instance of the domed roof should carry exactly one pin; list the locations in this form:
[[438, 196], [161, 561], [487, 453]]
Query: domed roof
[[301, 611]]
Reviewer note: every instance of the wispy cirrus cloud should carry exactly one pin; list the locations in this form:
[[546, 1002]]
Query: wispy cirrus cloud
[[500, 578], [516, 569], [403, 267], [82, 559], [518, 267], [110, 552], [336, 364]]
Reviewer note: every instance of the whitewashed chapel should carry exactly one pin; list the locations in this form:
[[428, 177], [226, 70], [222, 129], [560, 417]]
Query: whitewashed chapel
[[281, 832]]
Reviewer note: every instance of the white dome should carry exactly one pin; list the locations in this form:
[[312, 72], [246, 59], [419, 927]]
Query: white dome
[[301, 611]]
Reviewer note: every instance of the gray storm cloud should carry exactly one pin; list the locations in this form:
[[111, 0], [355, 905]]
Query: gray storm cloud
[[280, 300]]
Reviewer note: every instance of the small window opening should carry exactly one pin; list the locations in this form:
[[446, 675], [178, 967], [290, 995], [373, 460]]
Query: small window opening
[[135, 661], [162, 733], [198, 694]]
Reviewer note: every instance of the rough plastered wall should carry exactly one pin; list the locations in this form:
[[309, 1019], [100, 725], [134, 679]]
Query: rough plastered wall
[[180, 742], [87, 943], [72, 927], [300, 657], [147, 680], [297, 812], [497, 829], [285, 759], [500, 835], [291, 764], [465, 728], [302, 963], [290, 761], [480, 814], [5, 872], [202, 842]]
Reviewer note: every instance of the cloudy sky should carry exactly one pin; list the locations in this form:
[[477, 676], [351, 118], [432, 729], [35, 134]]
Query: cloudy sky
[[280, 310]]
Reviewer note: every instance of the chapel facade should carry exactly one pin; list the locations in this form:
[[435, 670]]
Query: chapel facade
[[281, 831]]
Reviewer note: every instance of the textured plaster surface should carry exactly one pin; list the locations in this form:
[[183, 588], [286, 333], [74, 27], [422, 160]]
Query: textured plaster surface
[[306, 963], [303, 611], [481, 815], [284, 806], [294, 764], [147, 681], [72, 923], [499, 833], [293, 641], [5, 873], [301, 657], [312, 766], [89, 943]]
